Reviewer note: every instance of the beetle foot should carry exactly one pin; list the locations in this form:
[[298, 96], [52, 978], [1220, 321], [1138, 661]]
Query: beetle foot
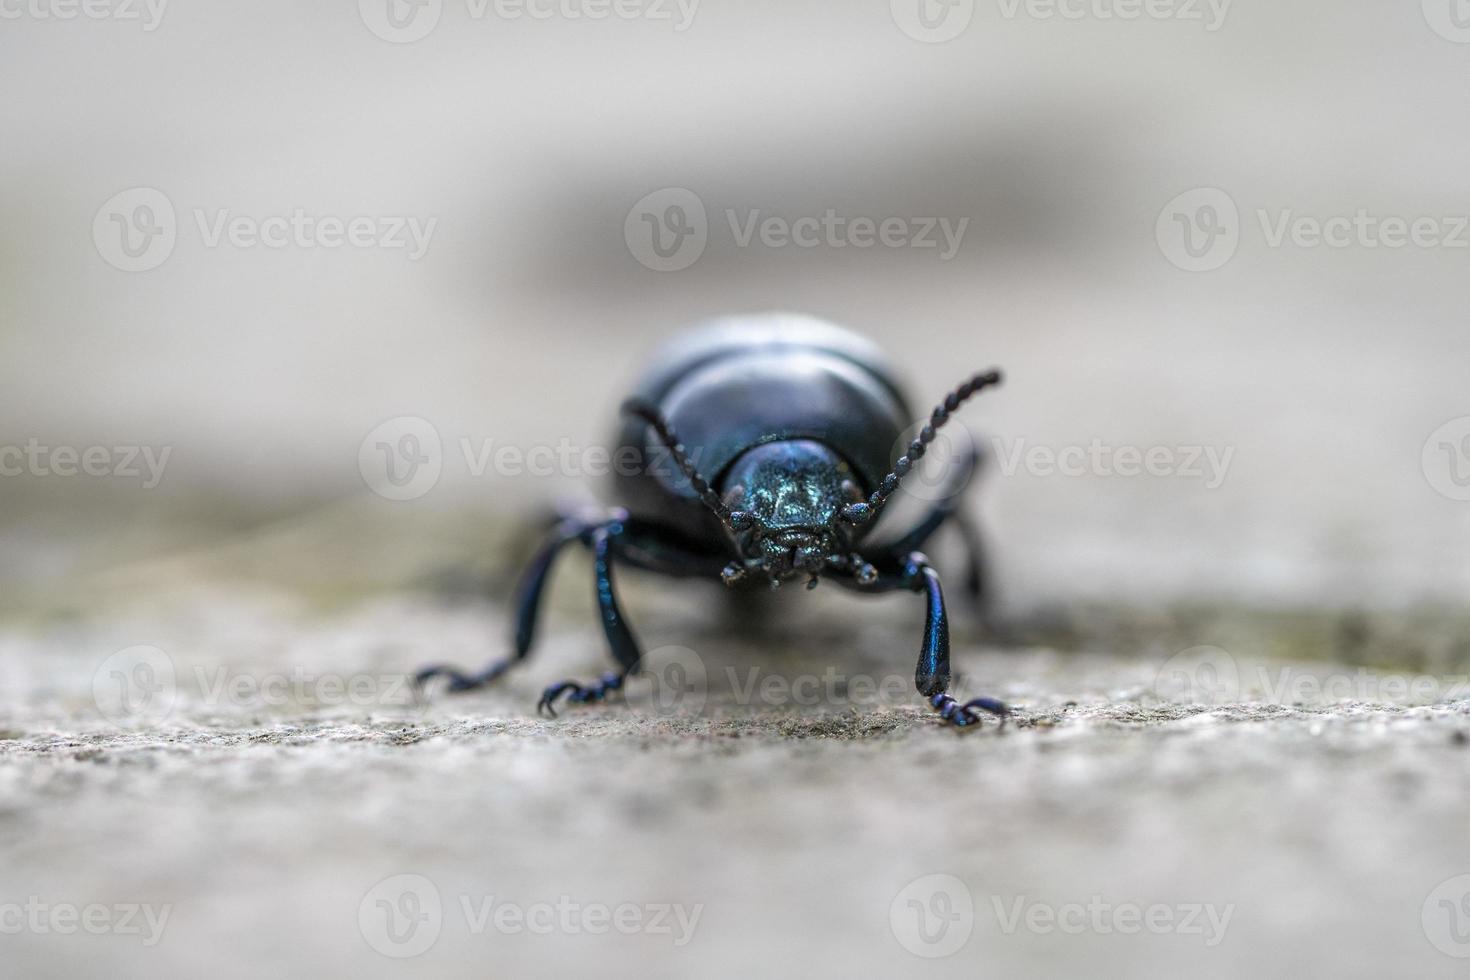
[[578, 693], [459, 680], [964, 715]]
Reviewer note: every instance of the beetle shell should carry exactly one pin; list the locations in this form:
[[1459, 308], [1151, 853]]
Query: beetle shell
[[740, 382]]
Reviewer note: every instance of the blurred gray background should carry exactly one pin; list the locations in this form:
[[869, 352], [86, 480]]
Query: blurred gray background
[[1061, 140]]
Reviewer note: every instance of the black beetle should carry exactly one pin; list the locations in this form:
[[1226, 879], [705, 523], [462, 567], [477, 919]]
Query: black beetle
[[780, 429]]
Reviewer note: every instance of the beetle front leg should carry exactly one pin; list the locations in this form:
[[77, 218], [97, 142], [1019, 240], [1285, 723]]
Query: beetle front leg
[[932, 675], [528, 606], [620, 637], [949, 507]]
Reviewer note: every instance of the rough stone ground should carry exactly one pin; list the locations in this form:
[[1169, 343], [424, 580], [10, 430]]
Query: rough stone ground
[[267, 820]]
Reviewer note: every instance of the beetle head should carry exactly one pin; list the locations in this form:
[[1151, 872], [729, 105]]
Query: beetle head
[[786, 501]]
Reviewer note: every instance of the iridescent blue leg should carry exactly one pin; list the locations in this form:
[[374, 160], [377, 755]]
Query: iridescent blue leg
[[614, 624], [528, 605], [932, 675], [967, 461]]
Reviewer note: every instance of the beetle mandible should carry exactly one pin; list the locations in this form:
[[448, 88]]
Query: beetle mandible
[[780, 430]]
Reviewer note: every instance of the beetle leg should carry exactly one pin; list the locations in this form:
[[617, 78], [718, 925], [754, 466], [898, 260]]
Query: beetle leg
[[579, 693], [967, 461], [932, 675], [528, 606], [974, 558], [614, 624]]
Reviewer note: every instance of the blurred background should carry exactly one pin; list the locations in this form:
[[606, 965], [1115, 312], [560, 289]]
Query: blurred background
[[1068, 146]]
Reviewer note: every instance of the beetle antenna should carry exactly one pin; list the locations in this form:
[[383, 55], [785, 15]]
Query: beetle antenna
[[863, 513], [734, 520]]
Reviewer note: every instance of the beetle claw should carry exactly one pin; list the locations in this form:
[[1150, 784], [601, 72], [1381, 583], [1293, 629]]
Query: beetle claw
[[577, 693], [458, 680], [964, 715]]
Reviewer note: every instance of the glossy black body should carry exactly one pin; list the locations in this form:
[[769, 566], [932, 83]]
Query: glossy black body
[[735, 384]]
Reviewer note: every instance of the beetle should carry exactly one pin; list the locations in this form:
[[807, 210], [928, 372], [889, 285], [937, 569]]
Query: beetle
[[780, 430]]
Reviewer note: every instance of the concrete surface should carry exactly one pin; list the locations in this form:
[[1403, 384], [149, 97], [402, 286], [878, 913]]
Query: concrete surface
[[1306, 818]]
